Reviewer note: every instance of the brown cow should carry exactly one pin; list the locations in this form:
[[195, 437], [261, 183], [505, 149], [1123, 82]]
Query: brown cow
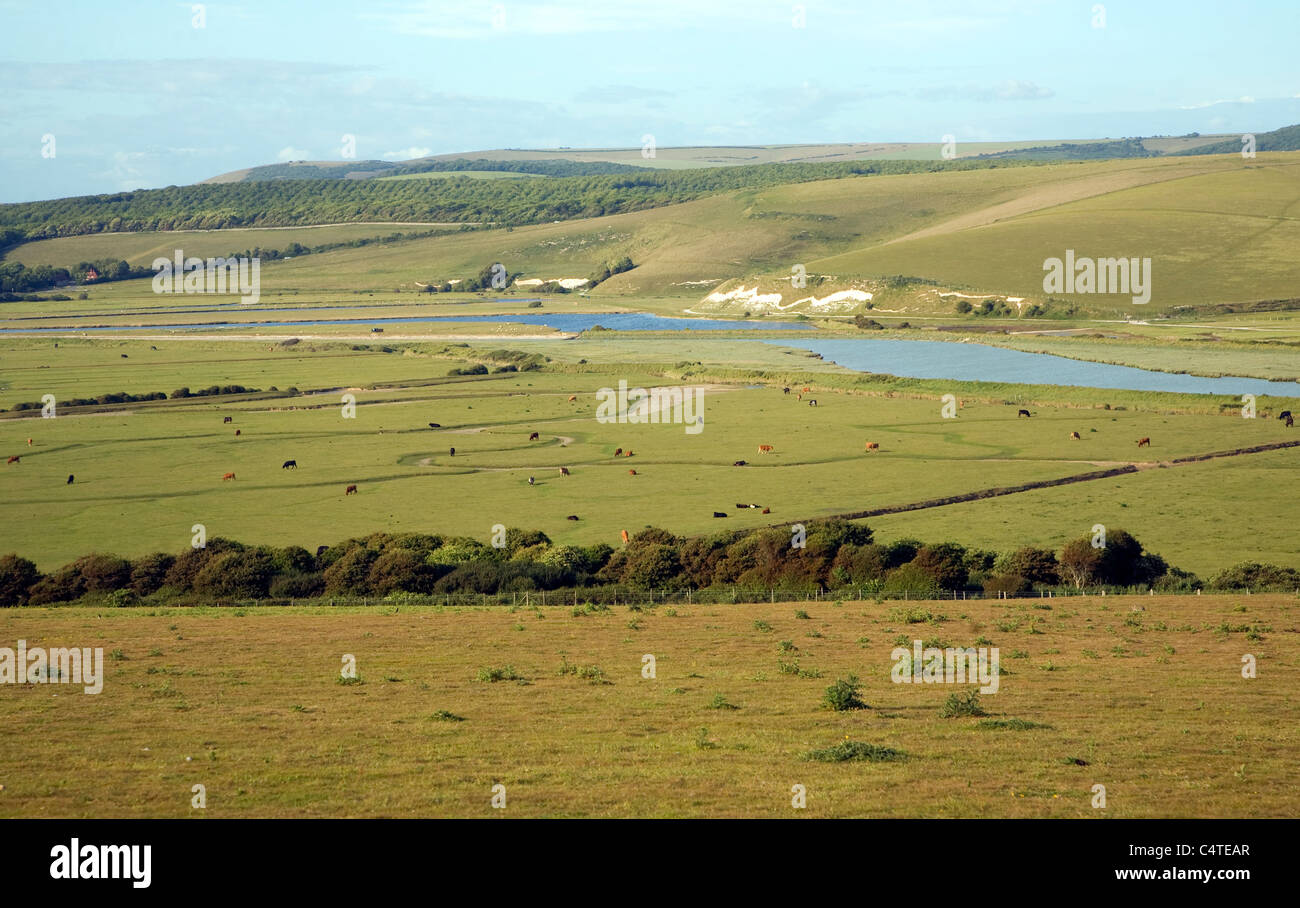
[[1075, 436], [767, 510], [237, 432], [228, 477], [873, 445], [631, 472], [29, 442], [15, 459], [765, 449], [624, 537], [1290, 421], [806, 390], [1144, 442], [618, 452], [564, 471], [350, 490], [572, 397], [627, 453], [534, 437]]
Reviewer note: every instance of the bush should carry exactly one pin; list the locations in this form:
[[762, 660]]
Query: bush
[[849, 751], [963, 704], [1255, 576], [843, 695], [17, 576], [149, 573]]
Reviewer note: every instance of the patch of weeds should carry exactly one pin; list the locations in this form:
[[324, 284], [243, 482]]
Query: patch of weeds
[[117, 655], [801, 615], [444, 715], [591, 673], [787, 646], [816, 635], [855, 751], [1074, 761], [1019, 654], [356, 679], [720, 702], [763, 626], [1012, 724], [963, 704], [703, 741], [503, 673]]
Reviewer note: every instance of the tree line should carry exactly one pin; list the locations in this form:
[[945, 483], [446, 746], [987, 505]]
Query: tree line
[[836, 554]]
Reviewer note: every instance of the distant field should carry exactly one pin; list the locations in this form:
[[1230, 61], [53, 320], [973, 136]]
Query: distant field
[[145, 473], [1143, 696]]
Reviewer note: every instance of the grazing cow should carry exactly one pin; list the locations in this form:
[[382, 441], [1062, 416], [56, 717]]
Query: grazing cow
[[627, 453], [740, 463], [564, 471], [289, 465], [1284, 415], [350, 490], [15, 459], [530, 480], [1289, 421], [767, 510], [624, 537], [799, 397], [1075, 436], [572, 517], [451, 452], [872, 445], [228, 477], [572, 398], [124, 356], [435, 425], [229, 419], [812, 403], [534, 437], [806, 390], [153, 348], [765, 449], [785, 390], [1021, 413], [1144, 442], [741, 506], [238, 432], [70, 478], [719, 513], [618, 452], [29, 442], [631, 472]]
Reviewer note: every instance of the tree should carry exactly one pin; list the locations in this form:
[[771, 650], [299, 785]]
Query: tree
[[1079, 562], [17, 575], [1033, 564]]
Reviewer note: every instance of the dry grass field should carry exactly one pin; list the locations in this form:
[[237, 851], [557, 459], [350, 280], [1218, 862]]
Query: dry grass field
[[1143, 695]]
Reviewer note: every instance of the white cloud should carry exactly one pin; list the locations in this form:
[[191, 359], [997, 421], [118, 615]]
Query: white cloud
[[289, 153], [406, 154], [1244, 99]]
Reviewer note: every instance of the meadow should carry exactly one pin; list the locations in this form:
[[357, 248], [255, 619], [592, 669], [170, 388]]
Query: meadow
[[1143, 695]]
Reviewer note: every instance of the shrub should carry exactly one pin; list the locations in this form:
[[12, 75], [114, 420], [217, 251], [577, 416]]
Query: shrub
[[843, 695], [963, 704], [17, 575], [504, 673], [847, 751]]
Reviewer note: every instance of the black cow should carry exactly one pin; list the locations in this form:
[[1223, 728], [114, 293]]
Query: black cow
[[435, 425], [451, 452], [289, 465], [70, 478], [719, 514], [572, 517], [1284, 415], [785, 390], [1023, 413], [740, 463], [228, 419]]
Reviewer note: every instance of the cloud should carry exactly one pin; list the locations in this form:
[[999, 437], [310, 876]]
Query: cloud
[[1010, 90], [1244, 99], [1016, 90], [619, 94], [406, 154], [289, 153]]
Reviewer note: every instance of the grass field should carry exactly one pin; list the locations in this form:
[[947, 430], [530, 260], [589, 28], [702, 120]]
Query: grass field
[[1143, 695]]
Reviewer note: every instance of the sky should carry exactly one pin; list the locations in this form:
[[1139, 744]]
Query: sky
[[112, 95]]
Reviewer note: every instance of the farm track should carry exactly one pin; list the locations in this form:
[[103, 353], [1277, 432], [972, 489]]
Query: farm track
[[1049, 483]]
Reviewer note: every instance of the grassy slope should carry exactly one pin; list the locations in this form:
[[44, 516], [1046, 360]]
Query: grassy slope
[[1153, 701]]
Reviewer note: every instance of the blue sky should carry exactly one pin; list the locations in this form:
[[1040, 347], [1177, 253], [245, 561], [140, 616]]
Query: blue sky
[[135, 95]]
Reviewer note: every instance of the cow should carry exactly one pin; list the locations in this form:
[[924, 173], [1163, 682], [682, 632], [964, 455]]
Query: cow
[[350, 490], [228, 477], [152, 347], [765, 449], [1075, 436], [564, 471], [719, 513], [572, 398], [289, 465], [740, 463], [631, 472], [15, 459], [29, 442], [1284, 415], [124, 356], [1144, 442], [618, 452], [627, 453], [624, 532], [70, 478], [237, 432], [534, 437], [229, 419], [767, 510], [1020, 413], [531, 480], [872, 446], [812, 403], [435, 425], [741, 507], [572, 517], [807, 390], [1289, 421], [785, 390]]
